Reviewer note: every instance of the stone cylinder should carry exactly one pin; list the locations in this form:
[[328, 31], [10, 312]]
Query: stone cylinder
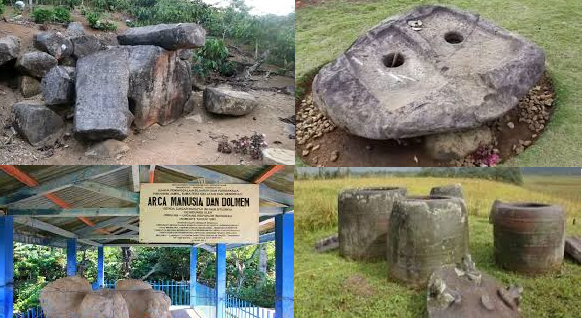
[[425, 233], [450, 190], [528, 237], [363, 217]]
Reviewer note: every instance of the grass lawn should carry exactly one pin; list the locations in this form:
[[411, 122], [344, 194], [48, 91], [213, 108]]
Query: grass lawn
[[325, 282], [324, 32]]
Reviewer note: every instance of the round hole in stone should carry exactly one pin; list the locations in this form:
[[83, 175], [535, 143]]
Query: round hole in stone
[[454, 37], [393, 60]]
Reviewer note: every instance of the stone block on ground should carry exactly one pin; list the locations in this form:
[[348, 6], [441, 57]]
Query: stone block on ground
[[58, 86], [278, 156], [36, 123], [75, 29], [101, 107], [36, 63], [457, 145], [168, 36], [159, 85], [107, 149], [53, 43], [9, 48], [572, 247], [29, 86], [62, 297], [228, 102], [84, 45]]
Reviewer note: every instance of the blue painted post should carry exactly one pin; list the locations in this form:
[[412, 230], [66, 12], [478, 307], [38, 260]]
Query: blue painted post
[[284, 260], [220, 280], [6, 266], [71, 257], [100, 267], [193, 263]]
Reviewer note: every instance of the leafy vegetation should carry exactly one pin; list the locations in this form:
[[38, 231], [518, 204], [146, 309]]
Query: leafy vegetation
[[212, 58], [322, 280], [61, 15], [40, 15], [96, 22]]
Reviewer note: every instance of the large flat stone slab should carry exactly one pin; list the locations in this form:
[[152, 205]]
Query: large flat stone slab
[[451, 71], [168, 36], [102, 85], [226, 101]]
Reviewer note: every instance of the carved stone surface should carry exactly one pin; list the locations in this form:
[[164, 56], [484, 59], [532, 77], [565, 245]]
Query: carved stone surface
[[61, 298]]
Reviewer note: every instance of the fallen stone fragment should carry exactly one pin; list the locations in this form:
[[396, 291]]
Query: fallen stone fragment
[[29, 86], [36, 63], [58, 86], [9, 48], [54, 43], [327, 244], [107, 149], [102, 84], [84, 45], [278, 156], [75, 29], [394, 82], [228, 102], [572, 247], [457, 145], [36, 123], [185, 54], [168, 36], [159, 85]]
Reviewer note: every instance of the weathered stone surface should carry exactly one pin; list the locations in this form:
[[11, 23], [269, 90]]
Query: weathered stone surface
[[228, 102], [450, 190], [61, 298], [54, 43], [102, 84], [193, 103], [9, 48], [278, 156], [147, 303], [168, 36], [36, 123], [84, 45], [104, 303], [75, 29], [159, 85], [327, 244], [459, 292], [132, 284], [572, 247], [185, 54], [29, 86], [107, 149], [363, 218], [455, 72], [425, 233], [58, 86], [36, 64], [457, 145]]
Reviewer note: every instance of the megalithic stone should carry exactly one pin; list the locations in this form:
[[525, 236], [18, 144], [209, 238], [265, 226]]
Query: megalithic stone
[[168, 36], [102, 108], [450, 190]]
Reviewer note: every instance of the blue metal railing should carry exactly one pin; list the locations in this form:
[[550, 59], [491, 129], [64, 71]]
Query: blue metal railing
[[237, 308], [35, 312]]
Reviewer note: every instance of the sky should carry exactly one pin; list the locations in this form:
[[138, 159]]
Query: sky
[[278, 7]]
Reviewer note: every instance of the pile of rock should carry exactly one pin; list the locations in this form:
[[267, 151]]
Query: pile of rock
[[144, 80]]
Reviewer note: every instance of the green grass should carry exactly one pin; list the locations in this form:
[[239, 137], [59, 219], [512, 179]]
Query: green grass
[[320, 279], [324, 32]]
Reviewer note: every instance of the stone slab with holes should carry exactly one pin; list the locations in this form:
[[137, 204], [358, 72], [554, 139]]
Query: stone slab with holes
[[432, 70]]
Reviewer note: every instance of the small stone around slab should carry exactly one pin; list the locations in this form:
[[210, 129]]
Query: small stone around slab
[[228, 102], [36, 123]]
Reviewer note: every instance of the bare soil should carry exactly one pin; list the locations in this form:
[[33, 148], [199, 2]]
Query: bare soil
[[193, 139]]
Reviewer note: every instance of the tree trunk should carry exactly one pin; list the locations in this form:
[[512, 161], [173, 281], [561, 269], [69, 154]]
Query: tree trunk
[[262, 264], [126, 261]]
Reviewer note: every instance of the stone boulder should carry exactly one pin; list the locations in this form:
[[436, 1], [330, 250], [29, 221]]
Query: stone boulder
[[168, 36], [75, 29], [61, 298], [107, 149], [84, 45], [102, 108], [9, 48], [457, 145], [29, 86], [278, 156], [54, 43], [147, 303], [132, 284], [454, 71], [37, 123], [159, 86], [58, 86], [36, 63], [104, 303], [228, 102], [185, 54]]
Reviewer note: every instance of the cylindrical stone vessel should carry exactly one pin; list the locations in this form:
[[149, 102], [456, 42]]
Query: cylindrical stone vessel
[[363, 217], [528, 237], [450, 190], [425, 233]]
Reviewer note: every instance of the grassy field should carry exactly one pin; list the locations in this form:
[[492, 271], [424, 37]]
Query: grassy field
[[325, 282], [323, 32]]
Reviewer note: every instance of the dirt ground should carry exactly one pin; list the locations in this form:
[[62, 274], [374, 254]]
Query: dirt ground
[[193, 139]]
